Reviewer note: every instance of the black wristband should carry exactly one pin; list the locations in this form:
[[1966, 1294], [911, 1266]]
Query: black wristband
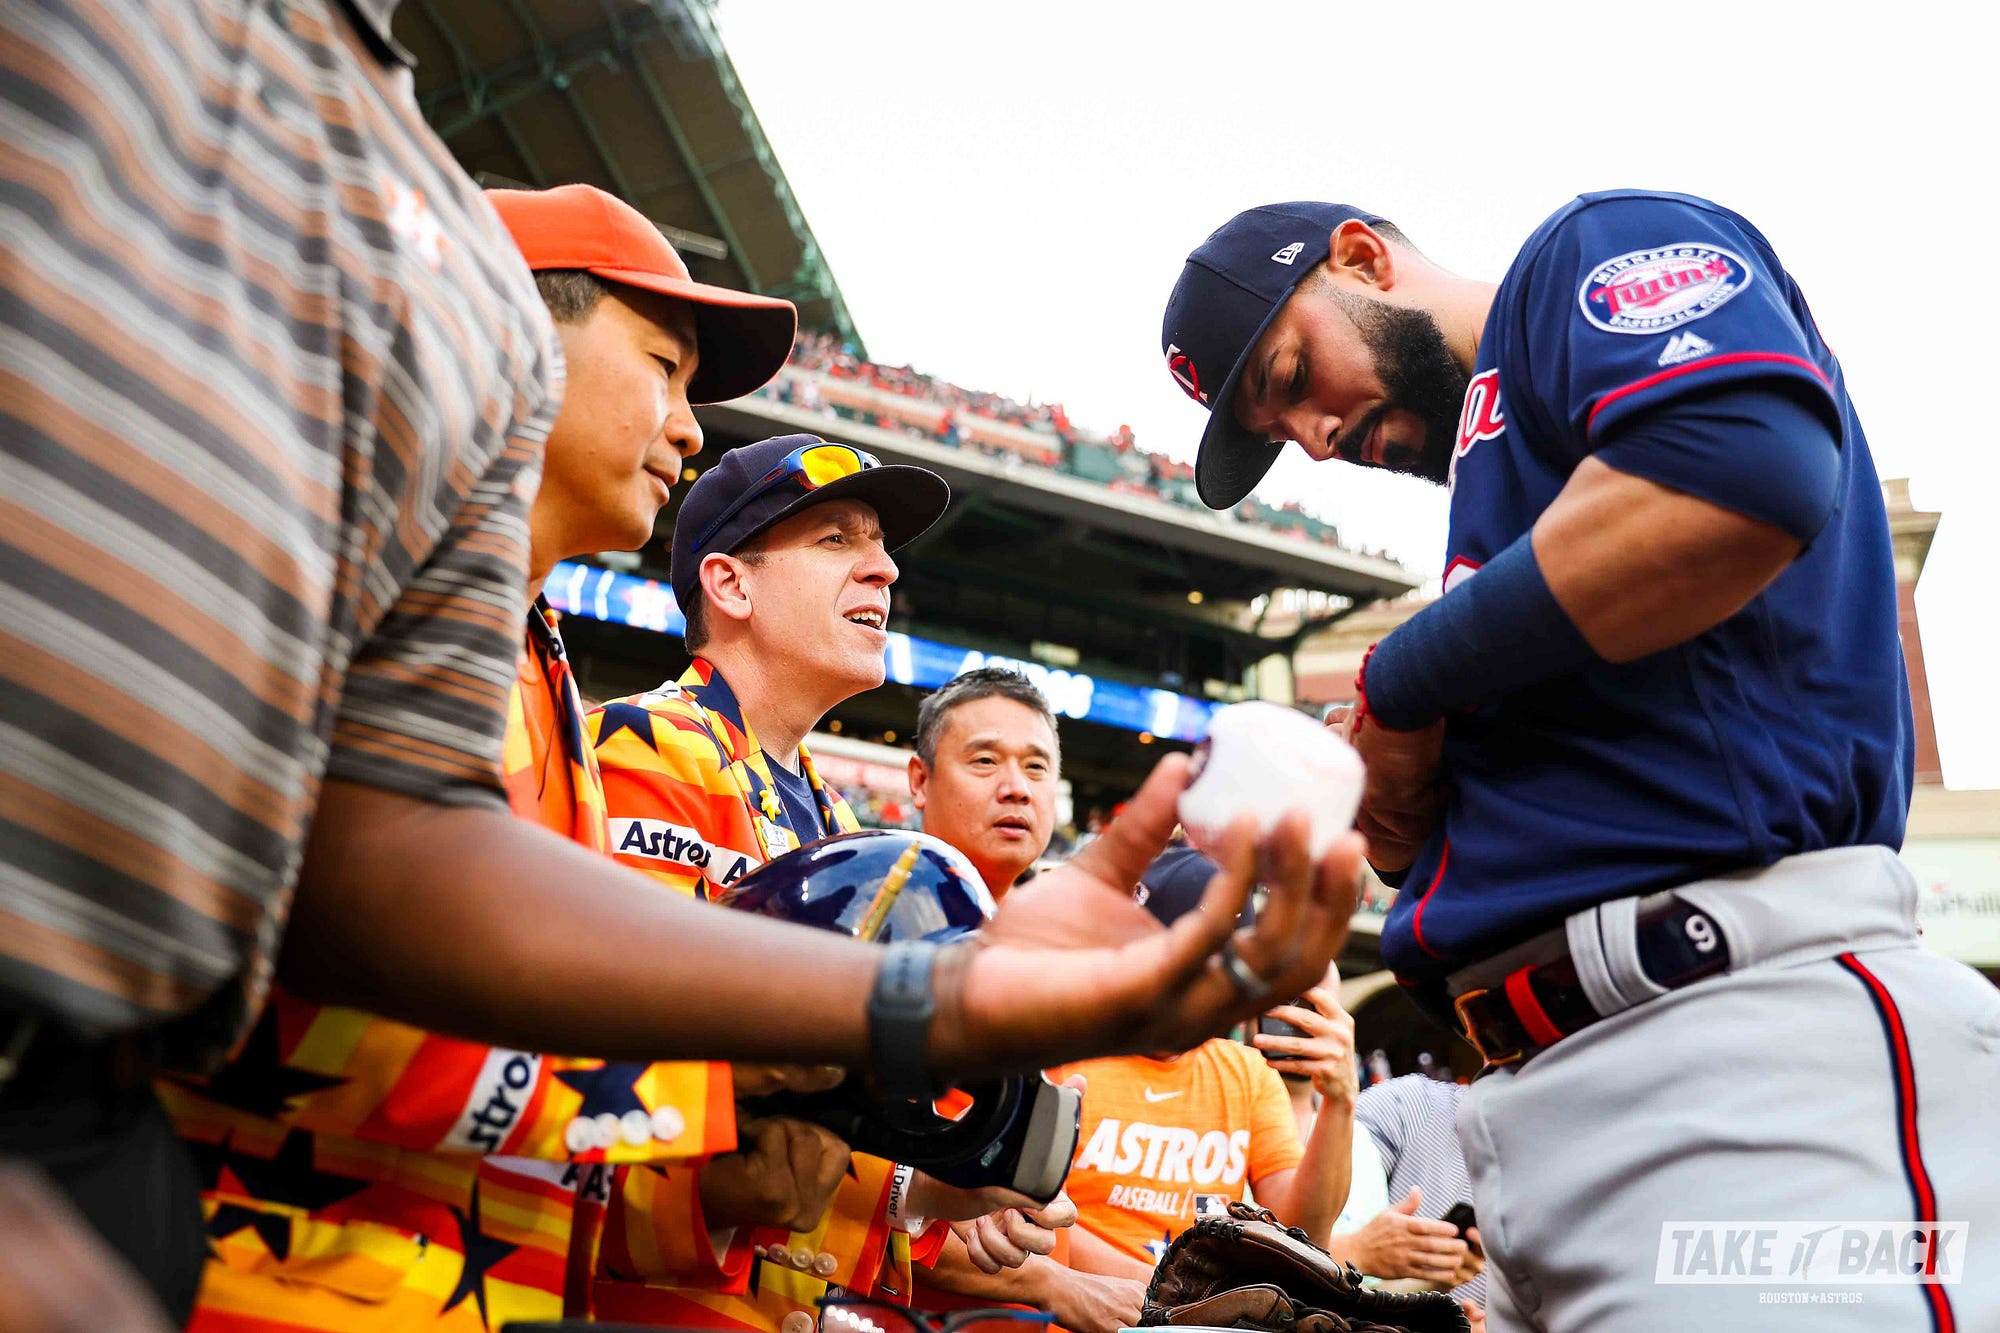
[[900, 1009]]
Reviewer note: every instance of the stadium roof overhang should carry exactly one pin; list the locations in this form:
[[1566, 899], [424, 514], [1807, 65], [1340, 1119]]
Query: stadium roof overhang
[[640, 98], [636, 96], [1190, 548]]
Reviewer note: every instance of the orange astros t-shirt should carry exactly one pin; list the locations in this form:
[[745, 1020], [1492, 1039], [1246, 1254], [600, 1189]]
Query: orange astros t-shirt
[[1166, 1142]]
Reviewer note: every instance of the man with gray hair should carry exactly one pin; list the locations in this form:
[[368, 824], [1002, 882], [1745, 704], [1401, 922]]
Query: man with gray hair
[[984, 774], [984, 777]]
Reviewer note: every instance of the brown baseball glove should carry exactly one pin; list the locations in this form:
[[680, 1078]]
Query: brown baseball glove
[[1248, 1270]]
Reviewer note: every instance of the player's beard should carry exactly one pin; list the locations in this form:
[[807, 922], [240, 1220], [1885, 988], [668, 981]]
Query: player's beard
[[1419, 376]]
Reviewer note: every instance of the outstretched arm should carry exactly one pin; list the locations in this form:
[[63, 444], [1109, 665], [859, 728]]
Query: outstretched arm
[[476, 924]]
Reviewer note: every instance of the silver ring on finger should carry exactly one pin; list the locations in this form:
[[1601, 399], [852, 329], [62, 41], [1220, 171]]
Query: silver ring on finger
[[1241, 975]]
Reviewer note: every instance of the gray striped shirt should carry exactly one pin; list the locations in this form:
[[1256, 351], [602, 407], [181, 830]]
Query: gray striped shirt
[[1414, 1121], [273, 386]]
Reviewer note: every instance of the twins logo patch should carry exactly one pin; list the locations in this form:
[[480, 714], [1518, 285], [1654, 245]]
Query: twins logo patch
[[1651, 291]]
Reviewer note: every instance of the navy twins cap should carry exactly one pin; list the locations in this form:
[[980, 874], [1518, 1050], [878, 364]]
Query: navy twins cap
[[1229, 290], [752, 487]]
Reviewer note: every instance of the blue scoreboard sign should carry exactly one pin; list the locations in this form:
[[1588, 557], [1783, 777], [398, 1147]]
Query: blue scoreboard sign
[[623, 599]]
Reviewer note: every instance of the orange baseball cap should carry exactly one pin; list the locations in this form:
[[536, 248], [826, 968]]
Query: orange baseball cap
[[744, 337]]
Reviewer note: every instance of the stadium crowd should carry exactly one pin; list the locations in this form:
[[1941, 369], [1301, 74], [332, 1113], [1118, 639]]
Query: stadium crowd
[[825, 375]]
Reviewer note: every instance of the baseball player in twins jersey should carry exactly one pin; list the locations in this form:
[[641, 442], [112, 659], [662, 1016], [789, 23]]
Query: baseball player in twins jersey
[[1641, 771]]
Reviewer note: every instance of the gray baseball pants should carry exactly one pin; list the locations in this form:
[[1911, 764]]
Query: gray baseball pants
[[1762, 1149]]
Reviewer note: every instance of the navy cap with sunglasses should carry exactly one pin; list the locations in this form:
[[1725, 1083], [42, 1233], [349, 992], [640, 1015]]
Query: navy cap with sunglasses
[[1229, 291], [757, 485]]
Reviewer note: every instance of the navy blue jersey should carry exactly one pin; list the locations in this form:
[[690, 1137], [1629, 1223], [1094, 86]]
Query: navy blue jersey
[[1784, 729]]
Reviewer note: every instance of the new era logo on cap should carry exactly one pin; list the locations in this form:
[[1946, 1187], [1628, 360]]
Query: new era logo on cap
[[1289, 253]]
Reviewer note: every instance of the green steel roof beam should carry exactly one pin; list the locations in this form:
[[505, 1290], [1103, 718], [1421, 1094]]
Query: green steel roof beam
[[525, 78], [812, 264], [468, 76], [1147, 615], [493, 93], [696, 172]]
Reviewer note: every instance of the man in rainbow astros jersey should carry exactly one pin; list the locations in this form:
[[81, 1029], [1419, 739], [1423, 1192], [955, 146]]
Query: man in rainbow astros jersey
[[352, 1170], [781, 564]]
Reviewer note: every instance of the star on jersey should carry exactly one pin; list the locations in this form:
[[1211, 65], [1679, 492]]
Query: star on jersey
[[274, 1229], [288, 1178], [259, 1081], [481, 1253], [626, 717], [611, 1088]]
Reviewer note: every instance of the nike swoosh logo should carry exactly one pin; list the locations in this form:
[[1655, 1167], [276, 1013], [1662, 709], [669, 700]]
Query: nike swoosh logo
[[1152, 1096]]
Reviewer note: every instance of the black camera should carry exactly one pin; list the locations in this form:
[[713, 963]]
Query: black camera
[[1278, 1027], [1019, 1132]]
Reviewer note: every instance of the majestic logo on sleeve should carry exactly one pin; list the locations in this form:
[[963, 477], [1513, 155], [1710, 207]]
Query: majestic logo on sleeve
[[1684, 347], [1651, 291]]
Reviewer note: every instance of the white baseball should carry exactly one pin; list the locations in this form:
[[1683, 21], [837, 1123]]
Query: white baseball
[[1264, 760]]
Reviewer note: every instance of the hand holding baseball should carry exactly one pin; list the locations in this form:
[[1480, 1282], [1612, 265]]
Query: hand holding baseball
[[1120, 982]]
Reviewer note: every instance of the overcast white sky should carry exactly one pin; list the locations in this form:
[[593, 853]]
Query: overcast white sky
[[1006, 192]]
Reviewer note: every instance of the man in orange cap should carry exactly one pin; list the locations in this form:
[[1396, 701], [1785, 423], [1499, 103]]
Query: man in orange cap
[[354, 1181], [643, 344]]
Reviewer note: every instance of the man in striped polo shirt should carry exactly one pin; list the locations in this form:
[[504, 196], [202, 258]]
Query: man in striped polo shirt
[[273, 387]]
